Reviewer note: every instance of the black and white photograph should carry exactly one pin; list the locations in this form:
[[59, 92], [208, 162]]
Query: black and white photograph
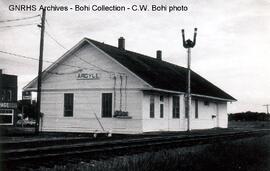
[[133, 85]]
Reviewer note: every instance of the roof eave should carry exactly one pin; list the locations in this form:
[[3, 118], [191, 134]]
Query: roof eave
[[195, 95], [215, 98]]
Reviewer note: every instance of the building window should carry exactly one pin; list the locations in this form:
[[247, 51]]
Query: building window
[[176, 107], [106, 105], [152, 106], [161, 110], [68, 104], [2, 95], [161, 98], [6, 95], [161, 106], [9, 95], [206, 103], [186, 107], [196, 109]]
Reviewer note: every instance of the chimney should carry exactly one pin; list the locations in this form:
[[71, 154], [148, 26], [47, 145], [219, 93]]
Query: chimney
[[159, 55], [121, 43]]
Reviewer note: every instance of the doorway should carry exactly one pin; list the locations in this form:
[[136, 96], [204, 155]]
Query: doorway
[[215, 116]]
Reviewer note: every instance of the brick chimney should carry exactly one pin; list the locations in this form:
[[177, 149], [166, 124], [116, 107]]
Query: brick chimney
[[159, 55], [121, 43]]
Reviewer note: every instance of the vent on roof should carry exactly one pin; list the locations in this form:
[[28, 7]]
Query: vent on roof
[[121, 43], [159, 54]]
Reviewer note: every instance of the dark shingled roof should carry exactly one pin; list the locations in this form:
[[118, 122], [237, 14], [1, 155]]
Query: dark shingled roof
[[161, 74]]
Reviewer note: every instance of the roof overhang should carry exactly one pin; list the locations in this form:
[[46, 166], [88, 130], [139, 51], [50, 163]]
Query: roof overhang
[[194, 95]]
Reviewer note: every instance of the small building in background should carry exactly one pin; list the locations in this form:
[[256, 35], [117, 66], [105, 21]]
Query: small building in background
[[8, 98], [27, 106]]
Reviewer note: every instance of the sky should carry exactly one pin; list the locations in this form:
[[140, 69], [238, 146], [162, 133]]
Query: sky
[[232, 49]]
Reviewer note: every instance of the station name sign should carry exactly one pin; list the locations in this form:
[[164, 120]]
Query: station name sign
[[88, 76]]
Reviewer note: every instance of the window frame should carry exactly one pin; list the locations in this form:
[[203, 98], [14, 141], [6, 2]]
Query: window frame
[[103, 115], [152, 106], [161, 106], [161, 112], [196, 108], [71, 105], [9, 95], [175, 112], [161, 98]]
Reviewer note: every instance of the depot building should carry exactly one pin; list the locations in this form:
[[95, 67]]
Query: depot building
[[96, 87]]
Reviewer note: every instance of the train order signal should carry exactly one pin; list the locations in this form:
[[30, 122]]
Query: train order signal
[[188, 43]]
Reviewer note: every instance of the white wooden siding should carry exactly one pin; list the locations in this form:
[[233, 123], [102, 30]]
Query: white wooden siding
[[168, 123], [86, 105], [205, 120]]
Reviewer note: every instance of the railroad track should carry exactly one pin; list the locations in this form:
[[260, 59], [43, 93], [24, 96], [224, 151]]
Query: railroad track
[[36, 155]]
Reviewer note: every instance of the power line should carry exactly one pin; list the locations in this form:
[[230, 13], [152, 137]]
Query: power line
[[19, 25], [62, 46], [18, 19], [17, 55], [31, 58], [66, 73], [93, 65], [56, 41], [47, 22]]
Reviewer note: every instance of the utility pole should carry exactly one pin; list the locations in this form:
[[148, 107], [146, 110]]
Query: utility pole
[[188, 45], [42, 26], [267, 108]]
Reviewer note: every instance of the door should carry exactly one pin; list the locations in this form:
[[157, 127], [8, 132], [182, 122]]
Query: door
[[215, 116]]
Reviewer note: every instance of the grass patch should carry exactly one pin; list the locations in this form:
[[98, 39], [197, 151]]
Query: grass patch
[[250, 154]]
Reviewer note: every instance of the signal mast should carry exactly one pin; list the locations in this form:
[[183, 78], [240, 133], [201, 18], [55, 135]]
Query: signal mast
[[188, 44]]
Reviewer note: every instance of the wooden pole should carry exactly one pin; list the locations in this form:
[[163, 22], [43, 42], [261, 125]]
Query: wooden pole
[[267, 108], [42, 26]]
